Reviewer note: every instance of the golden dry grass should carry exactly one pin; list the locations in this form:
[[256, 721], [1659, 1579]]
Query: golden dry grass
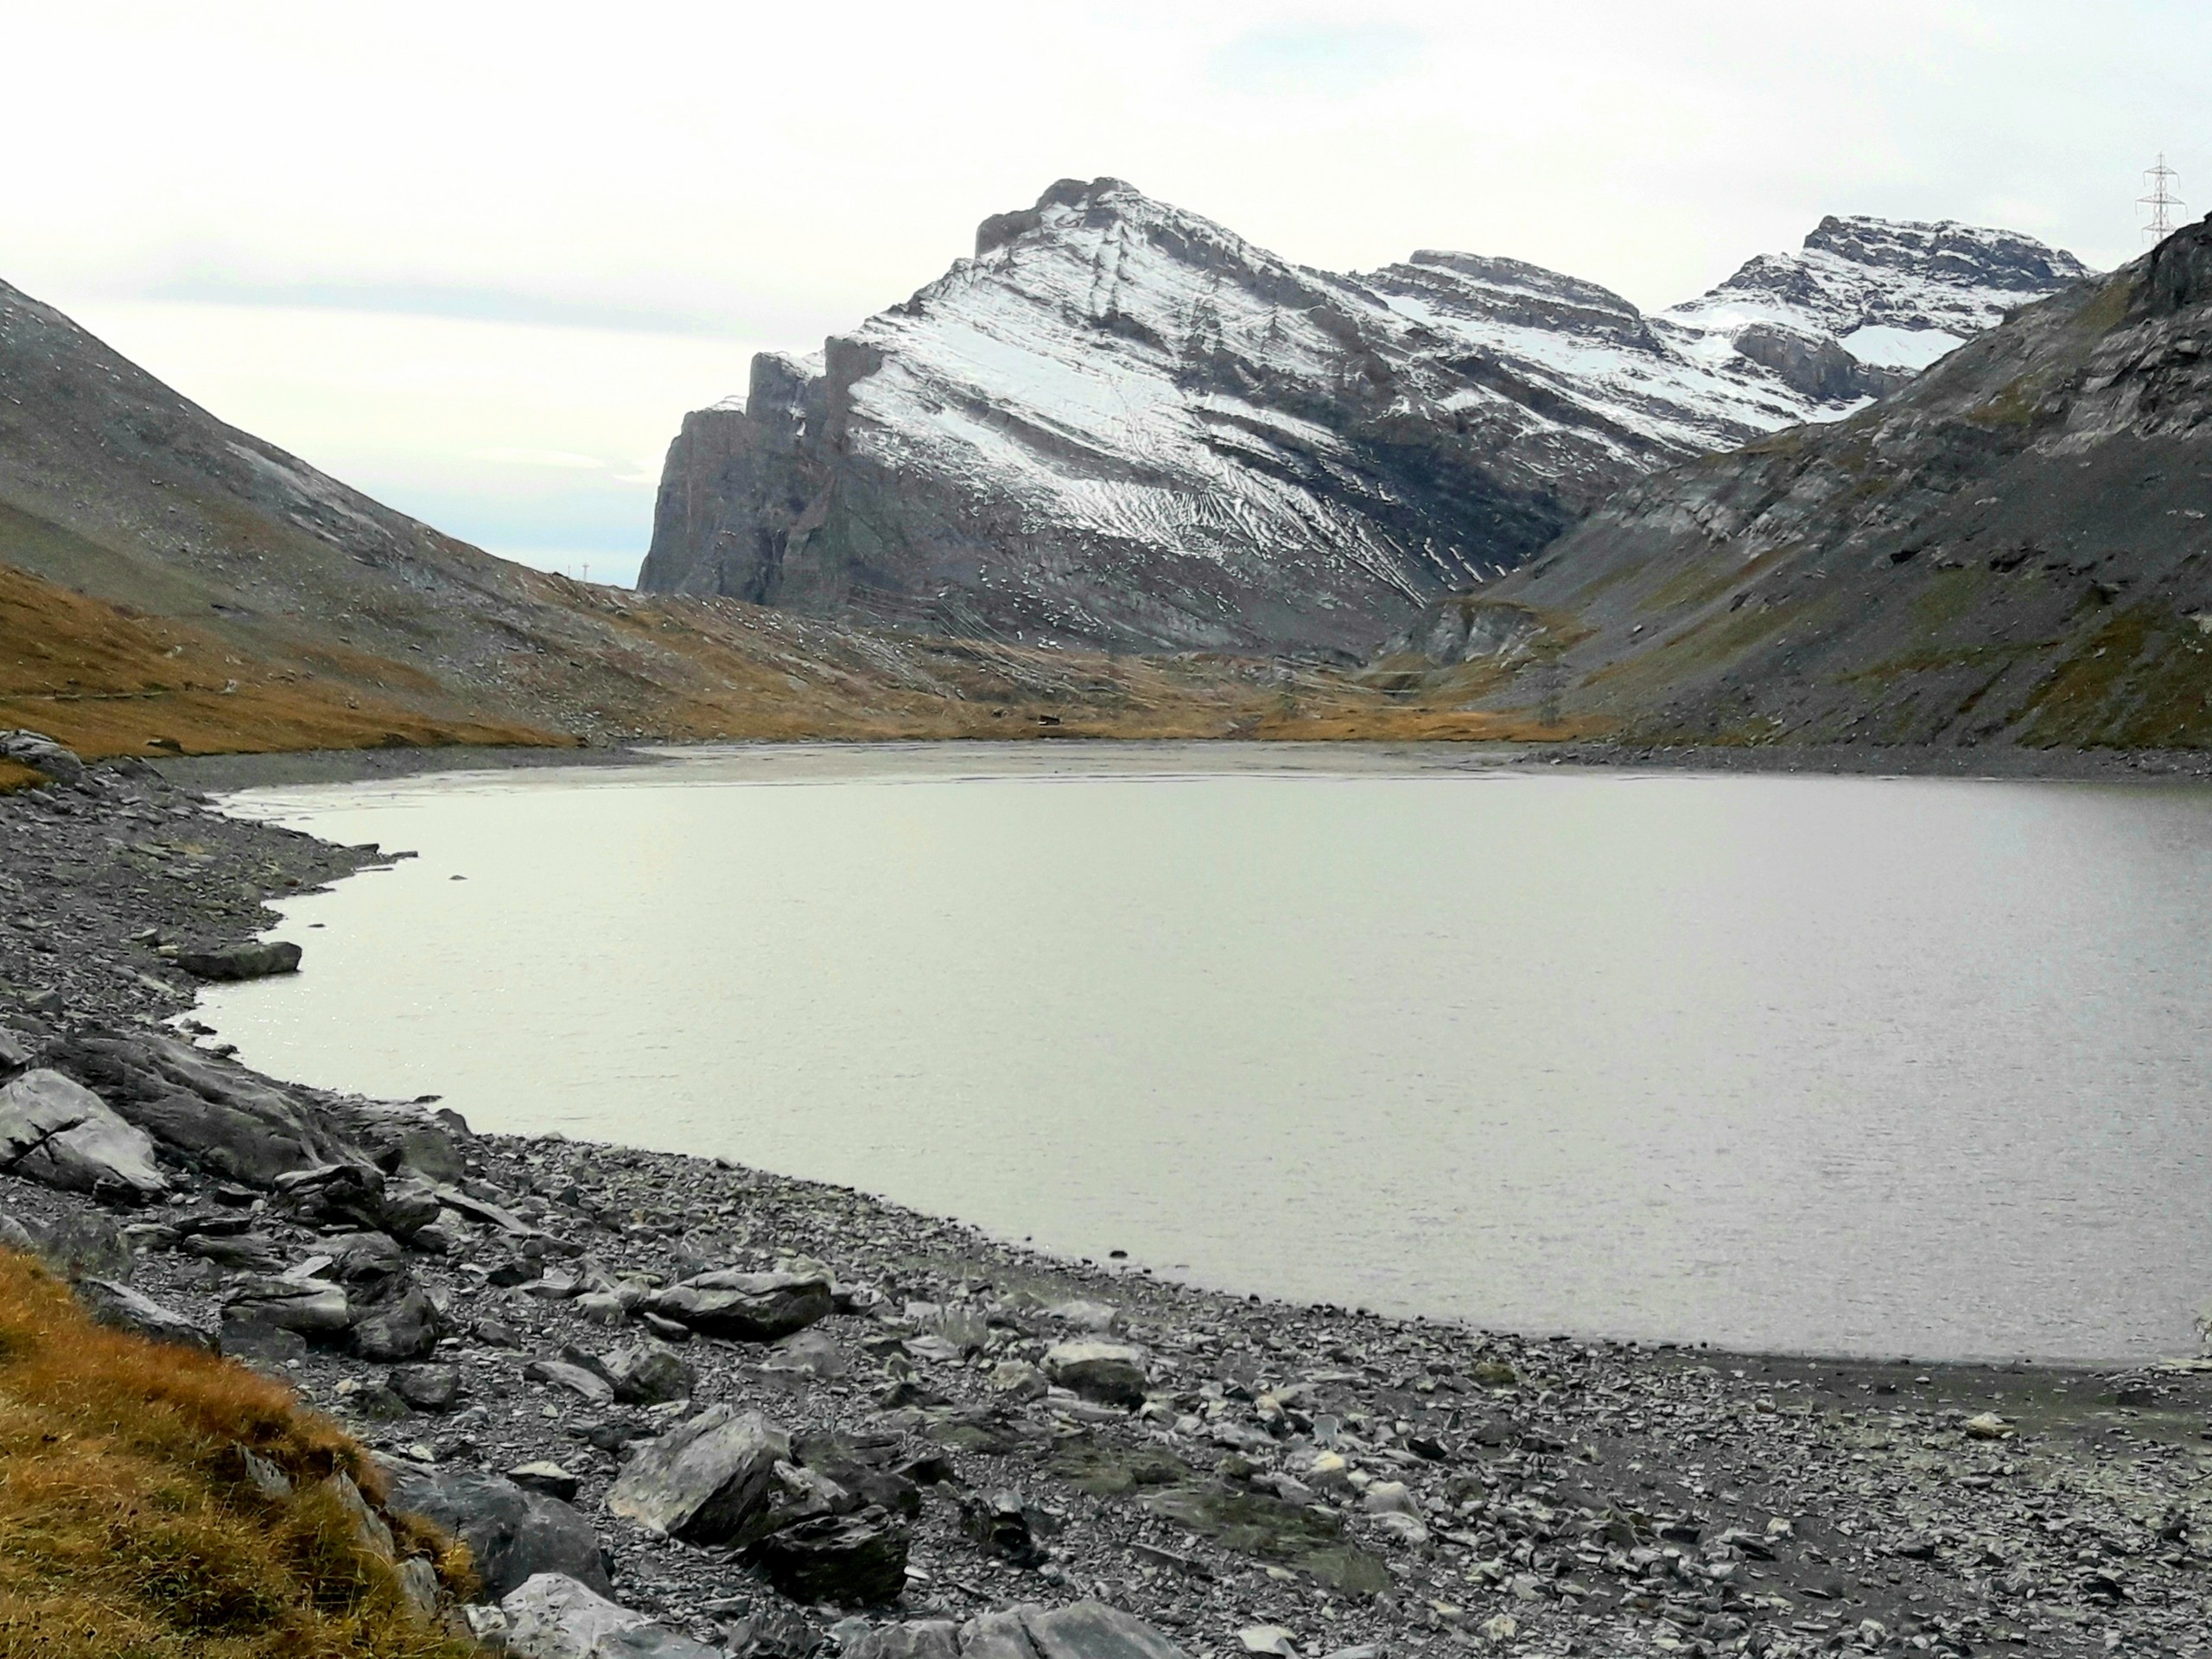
[[103, 681], [129, 1528], [12, 776]]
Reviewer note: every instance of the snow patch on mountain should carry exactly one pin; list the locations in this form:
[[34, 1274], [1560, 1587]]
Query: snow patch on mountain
[[1120, 422]]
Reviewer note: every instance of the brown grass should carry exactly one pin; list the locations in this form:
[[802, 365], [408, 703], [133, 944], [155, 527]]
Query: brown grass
[[129, 1529], [14, 776], [103, 681]]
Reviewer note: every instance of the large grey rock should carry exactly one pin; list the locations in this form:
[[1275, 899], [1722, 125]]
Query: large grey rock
[[1091, 1630], [846, 1558], [41, 753], [85, 1245], [553, 1617], [649, 1374], [704, 1479], [14, 1053], [404, 1137], [403, 1326], [260, 960], [919, 1638], [55, 1130], [310, 1306], [747, 1306], [427, 1388], [512, 1535], [123, 1309], [1112, 1372], [216, 1116]]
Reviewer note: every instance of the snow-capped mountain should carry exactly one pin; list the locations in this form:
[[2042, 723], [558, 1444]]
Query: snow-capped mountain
[[1867, 303], [1120, 424]]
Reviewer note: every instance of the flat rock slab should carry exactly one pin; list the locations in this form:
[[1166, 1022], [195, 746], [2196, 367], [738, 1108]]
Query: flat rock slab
[[747, 1306], [233, 962]]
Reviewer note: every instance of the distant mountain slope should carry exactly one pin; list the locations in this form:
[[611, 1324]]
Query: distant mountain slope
[[2017, 547], [179, 583], [1120, 424]]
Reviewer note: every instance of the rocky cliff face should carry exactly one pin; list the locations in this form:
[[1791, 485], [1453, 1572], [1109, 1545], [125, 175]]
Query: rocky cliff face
[[2017, 547], [1120, 424]]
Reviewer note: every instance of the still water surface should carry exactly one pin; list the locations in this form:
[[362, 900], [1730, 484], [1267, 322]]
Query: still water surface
[[1840, 1065]]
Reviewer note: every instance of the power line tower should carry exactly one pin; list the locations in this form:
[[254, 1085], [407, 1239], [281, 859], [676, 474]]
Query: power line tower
[[2161, 201]]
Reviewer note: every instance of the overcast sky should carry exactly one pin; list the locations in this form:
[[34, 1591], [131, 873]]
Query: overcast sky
[[479, 259]]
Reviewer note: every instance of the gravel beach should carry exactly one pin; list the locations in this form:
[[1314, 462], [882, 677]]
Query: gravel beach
[[772, 1416]]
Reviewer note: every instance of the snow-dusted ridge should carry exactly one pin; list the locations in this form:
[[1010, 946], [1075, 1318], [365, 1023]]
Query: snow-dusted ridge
[[1120, 423]]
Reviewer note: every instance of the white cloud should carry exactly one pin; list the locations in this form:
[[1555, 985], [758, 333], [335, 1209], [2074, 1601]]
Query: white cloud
[[517, 455], [465, 227]]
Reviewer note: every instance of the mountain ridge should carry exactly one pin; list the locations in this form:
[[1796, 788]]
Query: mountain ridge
[[1121, 424], [2015, 548]]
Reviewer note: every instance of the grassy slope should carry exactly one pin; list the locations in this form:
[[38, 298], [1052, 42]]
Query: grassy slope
[[106, 682], [129, 1528]]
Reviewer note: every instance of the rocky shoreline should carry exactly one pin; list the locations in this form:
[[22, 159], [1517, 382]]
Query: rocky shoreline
[[768, 1417]]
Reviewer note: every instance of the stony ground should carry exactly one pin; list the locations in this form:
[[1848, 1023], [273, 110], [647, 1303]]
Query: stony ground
[[1295, 1479]]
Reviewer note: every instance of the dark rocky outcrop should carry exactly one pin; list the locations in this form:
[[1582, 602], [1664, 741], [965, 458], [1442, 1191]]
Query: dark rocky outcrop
[[511, 1534], [2015, 548], [851, 1559]]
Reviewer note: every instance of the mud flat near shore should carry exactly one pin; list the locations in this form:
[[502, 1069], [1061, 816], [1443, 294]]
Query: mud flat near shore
[[949, 1425]]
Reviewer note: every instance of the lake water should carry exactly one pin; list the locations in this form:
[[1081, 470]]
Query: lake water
[[1837, 1064]]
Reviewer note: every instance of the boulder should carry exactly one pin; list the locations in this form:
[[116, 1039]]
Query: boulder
[[547, 1477], [364, 1258], [999, 1522], [215, 1116], [996, 1636], [1110, 1372], [55, 1131], [252, 961], [1091, 1630], [552, 1615], [920, 1638], [348, 1193], [14, 1053], [704, 1479], [427, 1387], [123, 1309], [512, 1535], [41, 753], [87, 1245], [309, 1306], [858, 1559], [649, 1374], [403, 1326], [405, 1137], [747, 1306]]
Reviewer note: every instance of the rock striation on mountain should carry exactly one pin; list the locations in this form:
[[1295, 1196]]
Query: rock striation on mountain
[[2017, 547], [1120, 424]]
